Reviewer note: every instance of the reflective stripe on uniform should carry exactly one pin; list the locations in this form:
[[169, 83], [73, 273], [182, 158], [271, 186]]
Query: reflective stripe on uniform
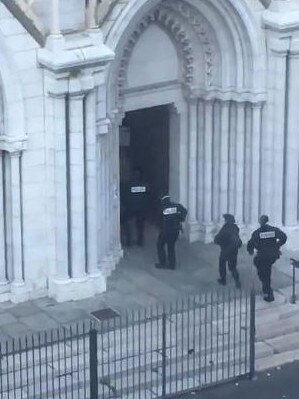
[[267, 234], [170, 211], [138, 189]]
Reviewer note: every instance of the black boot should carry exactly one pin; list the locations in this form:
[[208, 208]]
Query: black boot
[[269, 297], [222, 281], [238, 283], [160, 266]]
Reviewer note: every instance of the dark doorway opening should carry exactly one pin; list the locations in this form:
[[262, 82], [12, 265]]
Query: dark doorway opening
[[144, 144]]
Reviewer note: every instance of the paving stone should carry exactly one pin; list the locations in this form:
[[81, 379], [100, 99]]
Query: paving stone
[[62, 315], [25, 309], [6, 305], [44, 302], [15, 330], [7, 318], [3, 337], [39, 322]]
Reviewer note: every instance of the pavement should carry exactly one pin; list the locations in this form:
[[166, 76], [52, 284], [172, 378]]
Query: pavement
[[278, 383], [136, 283]]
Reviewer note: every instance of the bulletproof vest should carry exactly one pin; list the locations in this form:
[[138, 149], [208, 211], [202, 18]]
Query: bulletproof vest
[[172, 216], [267, 239], [137, 196]]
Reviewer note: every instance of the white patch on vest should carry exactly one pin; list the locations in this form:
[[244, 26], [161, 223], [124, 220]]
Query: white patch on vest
[[170, 211], [138, 189], [268, 234]]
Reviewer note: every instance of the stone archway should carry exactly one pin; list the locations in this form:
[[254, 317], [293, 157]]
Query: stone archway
[[220, 113]]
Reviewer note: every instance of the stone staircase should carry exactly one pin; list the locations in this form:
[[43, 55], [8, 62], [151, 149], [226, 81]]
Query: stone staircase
[[130, 357]]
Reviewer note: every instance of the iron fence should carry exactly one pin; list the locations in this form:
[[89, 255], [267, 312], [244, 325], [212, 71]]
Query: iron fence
[[163, 350]]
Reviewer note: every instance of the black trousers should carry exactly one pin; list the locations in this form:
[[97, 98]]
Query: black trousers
[[139, 220], [168, 239], [264, 269], [230, 259]]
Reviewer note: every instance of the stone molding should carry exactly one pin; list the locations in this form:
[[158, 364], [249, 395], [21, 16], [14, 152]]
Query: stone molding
[[210, 93], [201, 28], [58, 57], [168, 22], [239, 96], [61, 84], [13, 144], [170, 15]]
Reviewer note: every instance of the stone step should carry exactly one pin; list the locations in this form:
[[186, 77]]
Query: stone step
[[143, 379], [284, 343], [273, 329], [269, 327], [191, 362], [276, 360]]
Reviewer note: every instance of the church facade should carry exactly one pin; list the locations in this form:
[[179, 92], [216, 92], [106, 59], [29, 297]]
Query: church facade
[[218, 79]]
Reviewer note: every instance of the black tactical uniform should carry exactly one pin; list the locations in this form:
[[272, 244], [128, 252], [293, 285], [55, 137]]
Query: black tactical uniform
[[135, 206], [267, 241], [229, 241], [171, 217]]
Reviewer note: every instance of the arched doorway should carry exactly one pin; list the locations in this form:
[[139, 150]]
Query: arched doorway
[[212, 70]]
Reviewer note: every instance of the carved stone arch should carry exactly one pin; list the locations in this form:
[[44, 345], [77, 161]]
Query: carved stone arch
[[203, 31], [170, 23]]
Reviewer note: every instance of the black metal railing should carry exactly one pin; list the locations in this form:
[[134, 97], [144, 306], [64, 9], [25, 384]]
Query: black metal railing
[[163, 350]]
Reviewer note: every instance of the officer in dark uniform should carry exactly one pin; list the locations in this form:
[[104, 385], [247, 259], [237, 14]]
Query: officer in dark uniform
[[267, 241], [135, 205], [172, 215], [229, 241]]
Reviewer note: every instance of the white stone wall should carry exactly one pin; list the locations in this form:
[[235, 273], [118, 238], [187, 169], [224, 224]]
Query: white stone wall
[[72, 14], [24, 105], [223, 68]]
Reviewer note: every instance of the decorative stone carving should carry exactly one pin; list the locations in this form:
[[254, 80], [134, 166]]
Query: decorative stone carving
[[200, 26], [170, 17], [169, 22]]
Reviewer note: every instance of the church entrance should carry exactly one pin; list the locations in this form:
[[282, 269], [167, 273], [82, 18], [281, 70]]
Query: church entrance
[[144, 144]]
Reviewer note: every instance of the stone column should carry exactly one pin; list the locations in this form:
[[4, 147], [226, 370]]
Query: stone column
[[192, 160], [102, 217], [240, 142], [116, 122], [208, 153], [248, 165], [3, 270], [224, 141], [91, 14], [183, 157], [55, 22], [77, 187], [255, 163], [292, 143], [200, 160], [216, 162], [232, 159], [16, 216], [91, 183], [61, 187], [278, 62]]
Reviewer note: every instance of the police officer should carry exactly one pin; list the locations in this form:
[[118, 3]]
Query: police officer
[[172, 215], [267, 241], [135, 206], [229, 241]]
